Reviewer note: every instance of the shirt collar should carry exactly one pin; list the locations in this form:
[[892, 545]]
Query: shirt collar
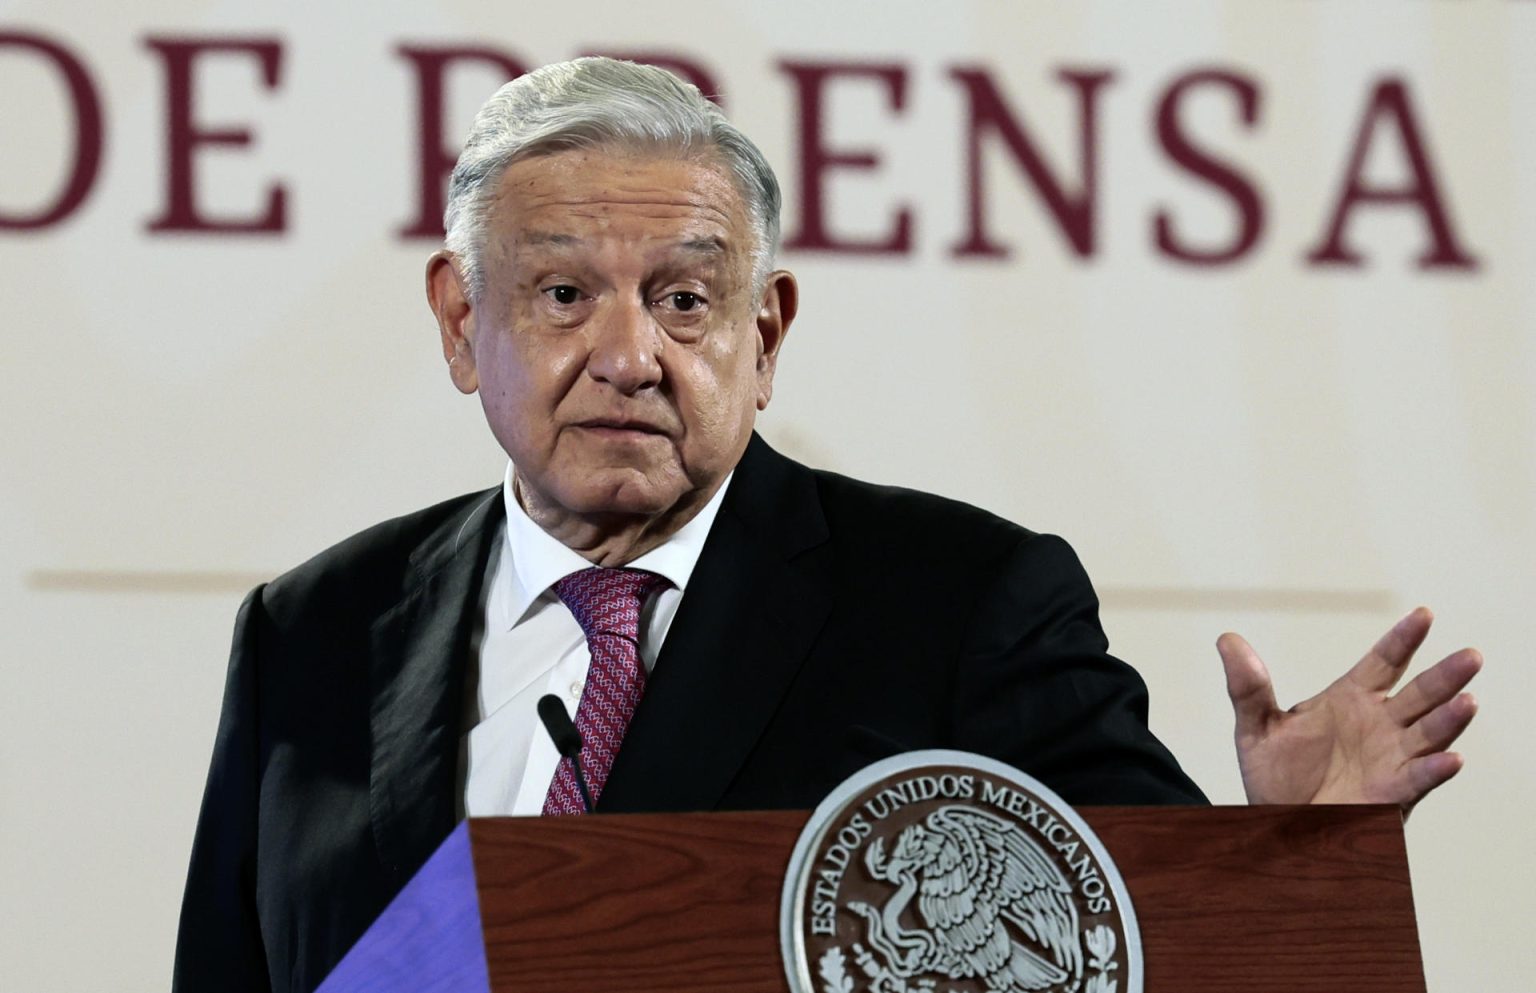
[[539, 560]]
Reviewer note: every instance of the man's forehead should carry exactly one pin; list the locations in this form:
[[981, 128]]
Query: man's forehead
[[658, 210], [594, 181], [704, 246]]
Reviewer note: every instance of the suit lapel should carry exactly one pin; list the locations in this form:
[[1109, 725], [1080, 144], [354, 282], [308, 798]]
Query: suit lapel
[[416, 674], [754, 605]]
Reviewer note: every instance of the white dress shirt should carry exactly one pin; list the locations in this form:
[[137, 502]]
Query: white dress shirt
[[530, 644]]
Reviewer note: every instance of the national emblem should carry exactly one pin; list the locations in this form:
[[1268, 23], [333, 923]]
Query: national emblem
[[999, 887]]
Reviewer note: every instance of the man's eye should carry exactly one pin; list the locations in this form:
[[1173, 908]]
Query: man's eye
[[683, 300], [564, 295]]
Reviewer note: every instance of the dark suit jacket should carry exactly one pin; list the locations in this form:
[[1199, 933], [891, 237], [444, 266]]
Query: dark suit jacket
[[828, 623]]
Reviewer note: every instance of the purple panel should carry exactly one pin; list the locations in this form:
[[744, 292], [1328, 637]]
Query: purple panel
[[428, 939]]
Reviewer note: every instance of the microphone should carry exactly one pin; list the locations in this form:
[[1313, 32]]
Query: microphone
[[557, 721]]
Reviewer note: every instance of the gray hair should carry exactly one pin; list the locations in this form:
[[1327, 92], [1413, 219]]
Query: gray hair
[[592, 102]]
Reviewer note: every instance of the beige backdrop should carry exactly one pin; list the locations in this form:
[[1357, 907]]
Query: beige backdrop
[[1295, 452]]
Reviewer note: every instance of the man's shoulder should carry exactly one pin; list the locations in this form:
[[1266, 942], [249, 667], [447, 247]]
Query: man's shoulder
[[955, 543], [886, 506], [954, 558], [881, 520], [377, 564]]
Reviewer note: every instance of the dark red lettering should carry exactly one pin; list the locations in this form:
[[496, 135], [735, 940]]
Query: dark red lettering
[[436, 155], [989, 113], [817, 160], [184, 136], [1243, 195], [1389, 105], [88, 135]]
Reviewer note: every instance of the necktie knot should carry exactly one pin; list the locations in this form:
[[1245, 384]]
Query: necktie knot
[[608, 601]]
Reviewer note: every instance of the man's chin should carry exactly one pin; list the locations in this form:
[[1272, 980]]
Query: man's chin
[[627, 493]]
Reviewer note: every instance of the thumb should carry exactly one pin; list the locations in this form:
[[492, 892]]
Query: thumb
[[1248, 685]]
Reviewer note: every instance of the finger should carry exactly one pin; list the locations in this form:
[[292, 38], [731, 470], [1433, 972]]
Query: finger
[[1248, 685], [1434, 686], [1422, 775], [1383, 665], [1441, 726]]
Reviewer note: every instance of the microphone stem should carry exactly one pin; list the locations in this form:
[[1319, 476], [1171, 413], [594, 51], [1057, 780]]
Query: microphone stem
[[581, 782]]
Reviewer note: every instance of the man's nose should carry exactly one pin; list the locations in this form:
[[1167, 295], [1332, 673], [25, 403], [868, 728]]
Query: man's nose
[[626, 347]]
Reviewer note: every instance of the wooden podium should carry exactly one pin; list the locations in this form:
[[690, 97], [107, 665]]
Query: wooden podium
[[1230, 900]]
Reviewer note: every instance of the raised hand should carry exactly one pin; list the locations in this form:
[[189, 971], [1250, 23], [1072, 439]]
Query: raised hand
[[1356, 741]]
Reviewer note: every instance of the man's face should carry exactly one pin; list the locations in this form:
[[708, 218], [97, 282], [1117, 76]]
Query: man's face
[[619, 349]]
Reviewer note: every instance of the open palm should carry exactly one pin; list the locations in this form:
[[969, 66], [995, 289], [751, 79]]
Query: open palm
[[1356, 741]]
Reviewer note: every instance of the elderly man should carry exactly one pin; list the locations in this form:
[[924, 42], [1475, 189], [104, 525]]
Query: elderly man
[[751, 631]]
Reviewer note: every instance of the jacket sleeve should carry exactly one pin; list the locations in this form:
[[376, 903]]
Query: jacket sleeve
[[1037, 688], [219, 944]]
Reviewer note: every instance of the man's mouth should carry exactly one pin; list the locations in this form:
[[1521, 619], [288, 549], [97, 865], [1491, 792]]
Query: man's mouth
[[618, 426]]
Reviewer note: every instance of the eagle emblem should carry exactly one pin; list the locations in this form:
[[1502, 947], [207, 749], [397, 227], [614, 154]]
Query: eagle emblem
[[947, 872], [993, 906]]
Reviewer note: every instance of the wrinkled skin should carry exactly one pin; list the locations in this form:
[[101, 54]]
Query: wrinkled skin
[[620, 348]]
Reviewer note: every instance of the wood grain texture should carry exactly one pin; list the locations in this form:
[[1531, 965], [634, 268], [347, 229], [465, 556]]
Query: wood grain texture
[[1265, 898], [1257, 900], [634, 902]]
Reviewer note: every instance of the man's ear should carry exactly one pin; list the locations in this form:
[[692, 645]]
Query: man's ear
[[450, 302], [781, 301]]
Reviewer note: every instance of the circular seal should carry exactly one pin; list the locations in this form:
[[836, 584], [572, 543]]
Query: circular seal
[[947, 872]]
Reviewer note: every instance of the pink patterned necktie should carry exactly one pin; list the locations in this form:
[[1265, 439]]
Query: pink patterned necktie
[[606, 603]]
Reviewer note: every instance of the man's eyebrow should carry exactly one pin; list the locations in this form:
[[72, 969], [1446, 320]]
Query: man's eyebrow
[[713, 245], [550, 238]]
